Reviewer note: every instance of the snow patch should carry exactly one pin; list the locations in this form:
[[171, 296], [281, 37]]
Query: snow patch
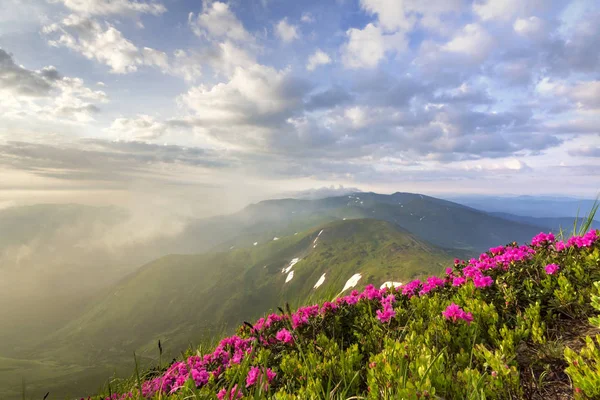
[[320, 281], [255, 243], [352, 281], [292, 263], [390, 284], [289, 277], [317, 238], [275, 238]]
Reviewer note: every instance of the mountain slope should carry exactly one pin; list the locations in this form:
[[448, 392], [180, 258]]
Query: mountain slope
[[519, 322], [182, 297]]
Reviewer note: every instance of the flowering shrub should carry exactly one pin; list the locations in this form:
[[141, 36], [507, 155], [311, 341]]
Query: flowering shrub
[[411, 342]]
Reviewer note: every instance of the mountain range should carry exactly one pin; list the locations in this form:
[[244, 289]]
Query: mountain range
[[205, 276]]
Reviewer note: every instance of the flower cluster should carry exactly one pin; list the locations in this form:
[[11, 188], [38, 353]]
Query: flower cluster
[[454, 312], [551, 269], [230, 351], [542, 239], [256, 375], [285, 336], [233, 394], [388, 312]]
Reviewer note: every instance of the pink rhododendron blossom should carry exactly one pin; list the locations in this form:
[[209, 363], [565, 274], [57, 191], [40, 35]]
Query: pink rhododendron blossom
[[284, 336], [542, 238], [551, 269], [483, 281], [459, 281], [233, 395], [454, 312]]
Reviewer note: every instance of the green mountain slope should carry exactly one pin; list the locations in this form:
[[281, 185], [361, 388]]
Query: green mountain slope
[[519, 322], [181, 299]]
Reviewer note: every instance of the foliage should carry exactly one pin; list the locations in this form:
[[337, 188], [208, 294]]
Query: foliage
[[484, 330]]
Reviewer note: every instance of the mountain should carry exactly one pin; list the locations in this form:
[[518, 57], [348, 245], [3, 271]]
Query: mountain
[[181, 299], [79, 251], [551, 223], [531, 206], [437, 221]]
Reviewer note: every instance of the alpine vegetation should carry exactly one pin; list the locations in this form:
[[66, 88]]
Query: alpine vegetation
[[519, 321]]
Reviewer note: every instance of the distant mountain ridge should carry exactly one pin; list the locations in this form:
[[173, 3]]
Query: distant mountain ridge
[[529, 206]]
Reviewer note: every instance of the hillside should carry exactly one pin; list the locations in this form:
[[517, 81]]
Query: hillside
[[182, 299], [517, 322]]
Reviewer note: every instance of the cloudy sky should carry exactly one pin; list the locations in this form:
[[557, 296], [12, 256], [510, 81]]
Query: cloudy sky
[[117, 101]]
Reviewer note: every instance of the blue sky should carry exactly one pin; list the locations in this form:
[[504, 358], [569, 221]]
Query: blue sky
[[115, 100]]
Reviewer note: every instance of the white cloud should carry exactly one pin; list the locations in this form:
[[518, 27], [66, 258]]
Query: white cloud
[[367, 47], [532, 27], [394, 15], [317, 59], [307, 18], [253, 94], [44, 94], [143, 127], [473, 41], [505, 10], [286, 31], [585, 94], [217, 21], [104, 43], [114, 7]]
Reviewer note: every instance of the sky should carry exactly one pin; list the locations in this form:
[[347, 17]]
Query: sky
[[207, 105]]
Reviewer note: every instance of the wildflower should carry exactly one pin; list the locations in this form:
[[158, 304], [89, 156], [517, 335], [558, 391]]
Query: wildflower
[[410, 288], [284, 336], [234, 394], [541, 239], [483, 281], [200, 377], [255, 375], [458, 281], [551, 269], [386, 315], [454, 312]]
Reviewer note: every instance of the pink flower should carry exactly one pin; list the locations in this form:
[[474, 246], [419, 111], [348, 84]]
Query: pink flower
[[386, 315], [255, 375], [482, 281], [234, 394], [458, 281], [284, 336], [410, 288], [200, 377], [551, 269], [454, 312], [542, 238]]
